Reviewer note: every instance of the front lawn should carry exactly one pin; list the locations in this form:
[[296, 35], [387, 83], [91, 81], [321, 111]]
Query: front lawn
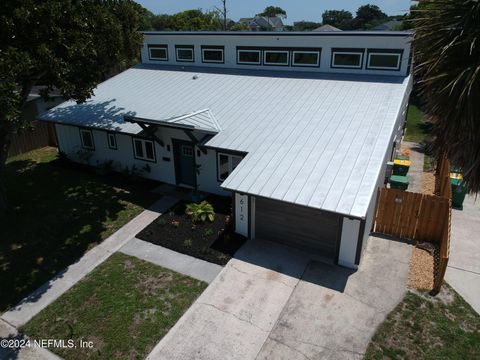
[[124, 307], [57, 213], [425, 327], [210, 241]]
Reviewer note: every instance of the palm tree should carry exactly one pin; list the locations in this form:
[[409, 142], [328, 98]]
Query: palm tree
[[447, 55]]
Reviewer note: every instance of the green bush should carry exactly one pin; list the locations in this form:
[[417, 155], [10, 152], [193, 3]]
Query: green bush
[[200, 212]]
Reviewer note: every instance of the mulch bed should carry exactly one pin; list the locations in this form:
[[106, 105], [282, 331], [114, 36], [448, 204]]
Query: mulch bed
[[210, 241], [422, 267]]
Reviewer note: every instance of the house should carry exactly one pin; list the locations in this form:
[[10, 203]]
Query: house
[[327, 27], [261, 23], [297, 127]]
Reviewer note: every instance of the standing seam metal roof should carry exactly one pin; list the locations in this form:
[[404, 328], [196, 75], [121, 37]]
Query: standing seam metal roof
[[317, 140]]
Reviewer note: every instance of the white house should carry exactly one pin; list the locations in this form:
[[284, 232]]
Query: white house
[[297, 127]]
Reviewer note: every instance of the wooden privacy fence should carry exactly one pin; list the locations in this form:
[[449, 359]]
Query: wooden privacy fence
[[410, 215], [419, 217], [42, 134]]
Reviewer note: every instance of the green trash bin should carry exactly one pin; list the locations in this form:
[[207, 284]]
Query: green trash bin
[[401, 166], [399, 182], [458, 193]]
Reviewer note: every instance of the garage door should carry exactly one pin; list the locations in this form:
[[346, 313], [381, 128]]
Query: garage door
[[297, 226]]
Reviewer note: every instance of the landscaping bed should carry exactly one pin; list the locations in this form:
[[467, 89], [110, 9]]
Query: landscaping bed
[[57, 211], [124, 307], [210, 241], [425, 327]]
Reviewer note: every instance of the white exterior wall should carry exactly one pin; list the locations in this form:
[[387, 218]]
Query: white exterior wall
[[325, 42], [161, 170], [348, 242]]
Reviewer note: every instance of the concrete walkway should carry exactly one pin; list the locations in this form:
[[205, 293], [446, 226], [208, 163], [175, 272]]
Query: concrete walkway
[[26, 353], [184, 264], [415, 172], [463, 272], [275, 302], [52, 290]]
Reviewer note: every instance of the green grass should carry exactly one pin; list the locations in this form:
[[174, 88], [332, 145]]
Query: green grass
[[416, 129], [56, 213], [124, 307], [426, 328]]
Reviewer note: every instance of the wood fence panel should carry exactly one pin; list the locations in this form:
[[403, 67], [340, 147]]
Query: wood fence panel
[[432, 219], [397, 213], [40, 136]]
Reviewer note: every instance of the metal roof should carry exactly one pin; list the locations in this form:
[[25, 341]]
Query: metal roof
[[312, 139], [405, 33]]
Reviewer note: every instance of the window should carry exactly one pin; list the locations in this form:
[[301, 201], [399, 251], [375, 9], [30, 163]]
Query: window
[[112, 141], [187, 150], [276, 57], [306, 58], [86, 138], [184, 53], [226, 164], [143, 149], [347, 59], [212, 54], [158, 52], [384, 61], [252, 57]]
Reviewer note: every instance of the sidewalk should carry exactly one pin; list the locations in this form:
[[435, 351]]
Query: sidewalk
[[52, 290], [181, 263], [463, 271], [416, 169]]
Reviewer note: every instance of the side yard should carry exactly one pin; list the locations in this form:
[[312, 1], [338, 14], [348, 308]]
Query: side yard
[[425, 327], [57, 213], [124, 307]]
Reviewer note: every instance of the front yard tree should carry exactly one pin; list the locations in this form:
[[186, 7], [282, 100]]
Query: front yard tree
[[447, 53], [69, 44]]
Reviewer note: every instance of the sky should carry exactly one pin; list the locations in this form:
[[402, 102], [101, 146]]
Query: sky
[[297, 10]]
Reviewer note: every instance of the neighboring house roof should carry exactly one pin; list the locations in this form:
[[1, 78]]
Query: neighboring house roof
[[263, 22], [312, 139], [388, 26], [35, 92], [327, 27]]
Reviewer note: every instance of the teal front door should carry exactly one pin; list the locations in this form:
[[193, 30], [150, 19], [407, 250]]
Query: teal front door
[[185, 163]]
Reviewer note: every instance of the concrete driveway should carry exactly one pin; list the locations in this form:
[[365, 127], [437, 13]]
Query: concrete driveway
[[463, 272], [275, 302]]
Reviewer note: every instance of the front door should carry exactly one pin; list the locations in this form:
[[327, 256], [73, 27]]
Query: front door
[[185, 163]]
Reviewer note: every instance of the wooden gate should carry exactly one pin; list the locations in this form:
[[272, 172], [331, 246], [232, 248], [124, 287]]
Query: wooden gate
[[411, 216]]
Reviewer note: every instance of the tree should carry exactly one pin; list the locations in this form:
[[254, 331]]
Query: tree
[[273, 11], [368, 16], [338, 18], [70, 45], [305, 25], [447, 51], [189, 20]]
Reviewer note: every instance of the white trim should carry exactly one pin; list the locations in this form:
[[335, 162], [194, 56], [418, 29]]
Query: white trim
[[184, 48], [265, 62], [114, 137], [349, 242], [144, 149], [150, 48], [212, 61], [89, 132], [230, 167], [259, 52], [359, 66], [398, 55], [306, 52]]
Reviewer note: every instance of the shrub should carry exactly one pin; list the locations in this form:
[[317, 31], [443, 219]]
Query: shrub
[[200, 212], [187, 242]]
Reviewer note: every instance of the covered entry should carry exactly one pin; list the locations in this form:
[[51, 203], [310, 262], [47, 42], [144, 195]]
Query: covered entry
[[298, 226]]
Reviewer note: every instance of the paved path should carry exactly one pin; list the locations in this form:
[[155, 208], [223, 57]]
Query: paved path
[[52, 290], [10, 333], [275, 302], [184, 264], [415, 172], [463, 272]]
